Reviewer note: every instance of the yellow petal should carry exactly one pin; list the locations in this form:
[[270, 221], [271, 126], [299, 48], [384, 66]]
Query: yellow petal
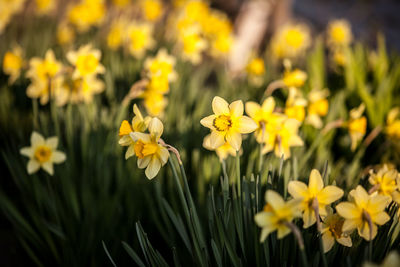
[[129, 152], [33, 166], [153, 168], [220, 106], [263, 219], [236, 108], [252, 108], [328, 241], [156, 128], [143, 162], [308, 218], [365, 233], [360, 196], [329, 194], [234, 139], [350, 225], [297, 189], [380, 218], [37, 139], [274, 199], [345, 241], [246, 125], [268, 105], [348, 210], [315, 183], [216, 139], [125, 128], [27, 151], [137, 112], [208, 121], [378, 203], [140, 136], [52, 142], [265, 232], [163, 155], [48, 167], [283, 231], [58, 157]]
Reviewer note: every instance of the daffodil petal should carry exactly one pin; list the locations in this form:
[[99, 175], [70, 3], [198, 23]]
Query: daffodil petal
[[220, 106], [268, 105], [315, 183], [283, 231], [345, 241], [143, 162], [208, 121], [234, 139], [48, 167], [380, 218], [153, 168], [308, 218], [297, 189], [328, 241], [274, 199], [246, 125], [252, 108], [236, 108], [37, 139], [163, 155], [27, 151], [329, 194], [216, 140], [129, 152], [33, 166], [58, 157], [348, 210], [156, 127], [52, 142]]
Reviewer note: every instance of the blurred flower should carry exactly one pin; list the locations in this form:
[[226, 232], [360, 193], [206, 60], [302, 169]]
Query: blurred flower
[[295, 105], [42, 153], [339, 33], [86, 13], [392, 128], [121, 3], [339, 57], [139, 35], [162, 65], [222, 152], [363, 211], [221, 45], [391, 260], [65, 34], [314, 196], [276, 214], [80, 89], [357, 125], [228, 123], [43, 90], [384, 181], [192, 45], [282, 136], [116, 36], [332, 229], [290, 41], [318, 107], [45, 6], [86, 61], [295, 78], [13, 63], [151, 155], [255, 70], [152, 9], [154, 102]]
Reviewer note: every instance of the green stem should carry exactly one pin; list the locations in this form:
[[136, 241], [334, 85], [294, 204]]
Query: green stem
[[260, 160], [180, 191], [238, 174], [35, 114], [223, 164]]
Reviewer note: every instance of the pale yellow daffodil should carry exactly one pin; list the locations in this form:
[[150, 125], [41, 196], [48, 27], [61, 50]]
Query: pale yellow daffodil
[[332, 230]]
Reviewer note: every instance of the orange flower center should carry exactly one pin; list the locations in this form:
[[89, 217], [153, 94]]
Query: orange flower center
[[222, 123], [42, 154]]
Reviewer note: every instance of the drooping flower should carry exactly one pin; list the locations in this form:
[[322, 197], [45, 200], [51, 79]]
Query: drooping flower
[[294, 78], [139, 124], [151, 155], [392, 128], [192, 44], [255, 70], [42, 153], [384, 181], [364, 210], [313, 196], [332, 230], [86, 13], [276, 214], [357, 125], [86, 61], [290, 41], [228, 123], [151, 9], [162, 65], [295, 105], [65, 34], [139, 37], [13, 63]]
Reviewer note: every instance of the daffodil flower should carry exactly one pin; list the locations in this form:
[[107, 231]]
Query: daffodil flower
[[151, 155], [139, 124], [295, 105], [42, 153], [365, 212], [162, 65], [384, 181], [392, 128], [357, 126], [13, 63], [222, 152], [276, 215], [228, 123], [339, 33], [332, 230], [317, 108], [86, 61], [314, 196]]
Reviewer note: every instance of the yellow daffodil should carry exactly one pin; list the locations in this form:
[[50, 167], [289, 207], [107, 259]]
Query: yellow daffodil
[[339, 57], [392, 128], [283, 137], [152, 9], [161, 65], [7, 9], [121, 3], [139, 124], [222, 152], [154, 102], [13, 63], [290, 41], [139, 36], [295, 105], [192, 45], [45, 6], [314, 196], [116, 36], [42, 153], [220, 45], [276, 214], [332, 230], [384, 181], [86, 61], [81, 89], [317, 108], [65, 34], [228, 123], [363, 211], [339, 33], [151, 155], [294, 78], [41, 70], [255, 70], [86, 13], [43, 90], [357, 126]]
